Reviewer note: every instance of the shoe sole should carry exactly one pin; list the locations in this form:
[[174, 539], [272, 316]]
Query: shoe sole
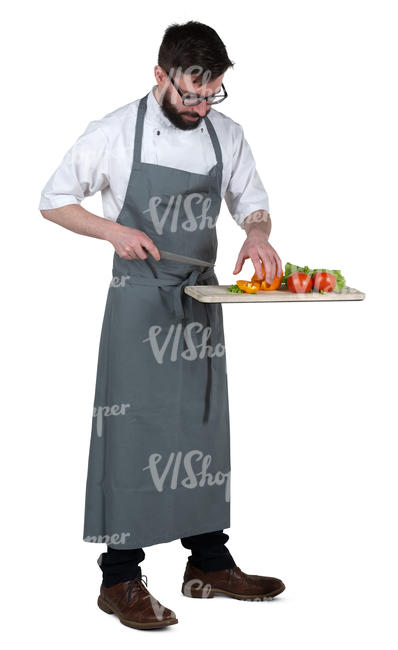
[[197, 593], [108, 609]]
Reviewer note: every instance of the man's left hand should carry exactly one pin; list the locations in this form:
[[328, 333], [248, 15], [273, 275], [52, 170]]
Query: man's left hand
[[259, 250]]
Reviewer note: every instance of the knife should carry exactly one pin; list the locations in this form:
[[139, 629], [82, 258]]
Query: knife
[[183, 258]]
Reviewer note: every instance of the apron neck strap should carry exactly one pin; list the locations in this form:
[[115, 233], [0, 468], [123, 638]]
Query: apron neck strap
[[139, 130], [215, 141]]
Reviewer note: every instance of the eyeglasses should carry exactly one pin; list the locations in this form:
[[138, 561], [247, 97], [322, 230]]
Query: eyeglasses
[[191, 99]]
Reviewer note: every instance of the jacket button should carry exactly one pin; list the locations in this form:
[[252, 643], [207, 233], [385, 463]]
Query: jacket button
[[157, 132]]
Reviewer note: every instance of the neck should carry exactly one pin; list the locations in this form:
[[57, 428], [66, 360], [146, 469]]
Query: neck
[[156, 93]]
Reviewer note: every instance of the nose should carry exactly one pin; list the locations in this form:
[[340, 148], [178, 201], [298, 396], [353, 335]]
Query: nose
[[201, 108]]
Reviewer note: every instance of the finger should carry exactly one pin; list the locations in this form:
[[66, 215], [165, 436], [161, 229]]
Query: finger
[[273, 269], [257, 266], [279, 266], [278, 262], [239, 262], [128, 252], [269, 266], [140, 252], [148, 244]]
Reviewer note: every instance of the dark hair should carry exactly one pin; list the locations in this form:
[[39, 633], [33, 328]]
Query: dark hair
[[194, 45]]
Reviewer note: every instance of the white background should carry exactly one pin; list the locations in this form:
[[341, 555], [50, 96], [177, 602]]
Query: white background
[[312, 387]]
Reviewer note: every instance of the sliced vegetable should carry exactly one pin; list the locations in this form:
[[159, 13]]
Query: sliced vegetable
[[264, 286], [299, 282], [248, 287], [235, 289], [275, 284], [324, 282]]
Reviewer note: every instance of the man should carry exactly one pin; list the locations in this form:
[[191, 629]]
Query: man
[[159, 462]]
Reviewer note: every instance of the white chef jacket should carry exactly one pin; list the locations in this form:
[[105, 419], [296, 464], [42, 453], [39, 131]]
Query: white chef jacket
[[101, 160]]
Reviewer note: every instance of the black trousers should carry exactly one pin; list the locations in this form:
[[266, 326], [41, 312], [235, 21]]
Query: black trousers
[[209, 553]]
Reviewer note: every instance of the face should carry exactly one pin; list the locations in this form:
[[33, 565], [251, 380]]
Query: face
[[184, 117]]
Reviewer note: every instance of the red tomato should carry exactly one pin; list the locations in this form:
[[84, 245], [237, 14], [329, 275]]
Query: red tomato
[[324, 281], [299, 282]]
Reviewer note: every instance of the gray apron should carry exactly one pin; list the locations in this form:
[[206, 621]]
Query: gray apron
[[159, 461]]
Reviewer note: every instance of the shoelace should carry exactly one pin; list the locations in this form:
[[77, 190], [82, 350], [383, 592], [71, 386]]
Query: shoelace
[[137, 584]]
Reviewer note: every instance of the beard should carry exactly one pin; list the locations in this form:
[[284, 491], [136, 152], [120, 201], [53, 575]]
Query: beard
[[177, 119]]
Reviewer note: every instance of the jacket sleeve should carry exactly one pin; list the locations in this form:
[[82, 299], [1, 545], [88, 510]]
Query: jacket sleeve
[[82, 172], [245, 192]]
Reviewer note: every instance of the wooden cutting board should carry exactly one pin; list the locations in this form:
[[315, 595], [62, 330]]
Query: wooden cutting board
[[220, 293]]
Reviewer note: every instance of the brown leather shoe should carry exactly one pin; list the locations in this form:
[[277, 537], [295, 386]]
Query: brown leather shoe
[[230, 582], [134, 605]]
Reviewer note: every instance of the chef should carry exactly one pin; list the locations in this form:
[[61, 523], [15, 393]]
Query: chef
[[159, 460]]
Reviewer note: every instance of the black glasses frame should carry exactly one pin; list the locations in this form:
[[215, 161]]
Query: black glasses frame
[[200, 98]]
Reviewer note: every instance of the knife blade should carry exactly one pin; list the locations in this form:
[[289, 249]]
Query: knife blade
[[183, 258]]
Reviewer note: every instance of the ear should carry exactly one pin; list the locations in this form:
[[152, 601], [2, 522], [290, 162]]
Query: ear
[[160, 74]]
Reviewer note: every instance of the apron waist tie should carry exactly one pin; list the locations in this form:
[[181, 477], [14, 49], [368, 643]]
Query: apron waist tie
[[178, 293]]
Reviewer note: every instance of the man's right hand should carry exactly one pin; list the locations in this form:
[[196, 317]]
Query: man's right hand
[[132, 244], [129, 243]]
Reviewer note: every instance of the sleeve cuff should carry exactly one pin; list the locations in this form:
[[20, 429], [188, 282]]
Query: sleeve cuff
[[241, 216], [49, 203]]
